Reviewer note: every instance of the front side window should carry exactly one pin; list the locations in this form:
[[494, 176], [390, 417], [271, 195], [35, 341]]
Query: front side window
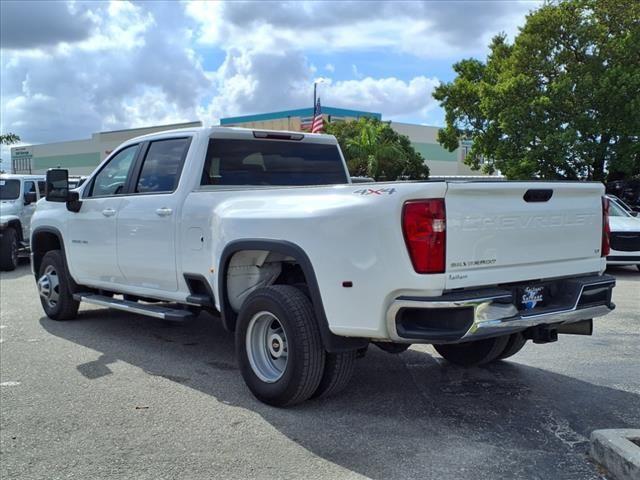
[[9, 189], [162, 163], [272, 162], [113, 177], [29, 187]]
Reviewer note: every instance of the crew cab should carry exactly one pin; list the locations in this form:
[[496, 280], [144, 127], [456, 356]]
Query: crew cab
[[18, 197], [267, 229]]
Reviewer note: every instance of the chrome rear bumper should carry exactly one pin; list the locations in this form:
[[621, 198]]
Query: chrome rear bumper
[[464, 316]]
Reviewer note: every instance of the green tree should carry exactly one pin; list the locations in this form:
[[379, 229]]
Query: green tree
[[373, 149], [9, 139], [560, 102]]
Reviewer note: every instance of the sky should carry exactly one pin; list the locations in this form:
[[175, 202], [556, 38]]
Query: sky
[[69, 69]]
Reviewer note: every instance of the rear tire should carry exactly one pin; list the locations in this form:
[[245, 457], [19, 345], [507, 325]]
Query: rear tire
[[9, 250], [56, 288], [473, 353], [514, 345], [278, 346], [338, 370]]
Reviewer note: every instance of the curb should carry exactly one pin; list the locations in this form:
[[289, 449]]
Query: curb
[[614, 450]]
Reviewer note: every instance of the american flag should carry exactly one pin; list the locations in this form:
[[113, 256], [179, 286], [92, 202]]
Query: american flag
[[316, 126]]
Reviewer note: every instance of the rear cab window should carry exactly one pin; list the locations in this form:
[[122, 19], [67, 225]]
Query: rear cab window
[[272, 162]]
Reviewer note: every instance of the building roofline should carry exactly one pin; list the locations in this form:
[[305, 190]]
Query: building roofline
[[174, 126], [299, 112]]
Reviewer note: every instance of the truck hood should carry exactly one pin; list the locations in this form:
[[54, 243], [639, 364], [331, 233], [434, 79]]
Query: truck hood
[[624, 224], [9, 207]]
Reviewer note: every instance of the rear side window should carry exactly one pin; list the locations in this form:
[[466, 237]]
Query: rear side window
[[272, 162], [42, 188], [162, 164]]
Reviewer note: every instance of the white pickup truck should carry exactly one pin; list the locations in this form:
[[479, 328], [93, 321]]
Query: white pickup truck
[[18, 197], [308, 268]]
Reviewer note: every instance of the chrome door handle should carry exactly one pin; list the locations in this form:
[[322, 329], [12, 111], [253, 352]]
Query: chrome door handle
[[164, 212], [108, 212]]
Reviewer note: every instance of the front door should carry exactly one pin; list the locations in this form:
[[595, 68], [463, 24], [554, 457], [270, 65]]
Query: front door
[[148, 217], [92, 231]]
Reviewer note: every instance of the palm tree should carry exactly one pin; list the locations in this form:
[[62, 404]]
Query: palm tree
[[368, 149]]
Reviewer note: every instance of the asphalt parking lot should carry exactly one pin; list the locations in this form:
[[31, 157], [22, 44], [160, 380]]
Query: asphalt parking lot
[[111, 395]]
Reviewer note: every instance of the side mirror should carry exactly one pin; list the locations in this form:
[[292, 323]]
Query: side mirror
[[57, 185], [30, 197]]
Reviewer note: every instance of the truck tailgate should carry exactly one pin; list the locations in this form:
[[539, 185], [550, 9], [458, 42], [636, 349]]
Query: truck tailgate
[[499, 232]]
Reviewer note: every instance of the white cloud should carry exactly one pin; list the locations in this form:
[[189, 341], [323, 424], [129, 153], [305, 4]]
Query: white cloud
[[131, 71], [424, 29], [391, 96], [91, 66], [254, 81]]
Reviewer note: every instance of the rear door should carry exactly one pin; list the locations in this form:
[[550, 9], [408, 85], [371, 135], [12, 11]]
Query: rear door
[[500, 232], [146, 230]]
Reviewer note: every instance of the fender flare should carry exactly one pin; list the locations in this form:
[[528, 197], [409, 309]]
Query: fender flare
[[8, 221], [332, 343], [34, 234]]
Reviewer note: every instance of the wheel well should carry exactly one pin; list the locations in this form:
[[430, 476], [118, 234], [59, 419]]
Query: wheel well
[[44, 242], [248, 270], [254, 263]]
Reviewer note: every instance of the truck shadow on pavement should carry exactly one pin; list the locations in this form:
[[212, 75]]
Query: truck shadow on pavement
[[408, 415]]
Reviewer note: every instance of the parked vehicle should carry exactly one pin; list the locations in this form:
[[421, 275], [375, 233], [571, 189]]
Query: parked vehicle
[[627, 190], [624, 205], [625, 235], [18, 197], [308, 268], [75, 181]]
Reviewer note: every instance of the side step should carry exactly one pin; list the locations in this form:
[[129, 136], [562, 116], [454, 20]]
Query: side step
[[156, 311]]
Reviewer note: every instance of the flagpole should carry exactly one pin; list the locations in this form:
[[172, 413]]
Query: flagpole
[[314, 96]]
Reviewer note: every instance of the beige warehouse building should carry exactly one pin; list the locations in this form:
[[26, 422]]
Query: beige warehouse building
[[81, 157]]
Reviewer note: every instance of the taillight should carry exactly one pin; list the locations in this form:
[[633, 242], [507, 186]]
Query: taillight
[[424, 228], [605, 248]]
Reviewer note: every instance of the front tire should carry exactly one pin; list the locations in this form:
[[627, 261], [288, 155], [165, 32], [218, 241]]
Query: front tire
[[55, 288], [278, 346], [9, 250], [473, 353]]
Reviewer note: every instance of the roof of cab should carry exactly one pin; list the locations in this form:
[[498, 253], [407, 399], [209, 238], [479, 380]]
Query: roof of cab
[[18, 176], [232, 132]]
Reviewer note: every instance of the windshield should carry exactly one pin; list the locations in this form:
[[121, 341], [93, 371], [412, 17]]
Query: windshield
[[616, 210], [9, 189]]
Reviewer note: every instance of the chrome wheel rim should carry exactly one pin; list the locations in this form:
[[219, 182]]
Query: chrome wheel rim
[[267, 348], [49, 286]]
